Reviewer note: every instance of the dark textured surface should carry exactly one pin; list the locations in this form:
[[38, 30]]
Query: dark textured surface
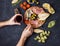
[[10, 35]]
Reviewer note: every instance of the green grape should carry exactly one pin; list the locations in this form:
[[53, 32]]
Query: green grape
[[39, 40], [45, 37], [45, 32], [43, 40], [48, 32], [41, 34], [35, 38]]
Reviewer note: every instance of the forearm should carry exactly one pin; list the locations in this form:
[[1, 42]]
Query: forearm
[[21, 41], [4, 23]]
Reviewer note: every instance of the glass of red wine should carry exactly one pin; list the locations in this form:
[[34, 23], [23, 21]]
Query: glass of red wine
[[19, 19]]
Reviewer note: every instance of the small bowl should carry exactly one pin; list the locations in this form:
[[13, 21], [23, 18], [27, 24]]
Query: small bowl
[[30, 2]]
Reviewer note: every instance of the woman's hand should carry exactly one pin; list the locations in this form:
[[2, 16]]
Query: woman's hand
[[12, 20], [25, 34], [27, 31]]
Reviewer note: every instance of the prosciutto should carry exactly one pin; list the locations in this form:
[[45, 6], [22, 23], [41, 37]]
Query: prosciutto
[[41, 17], [37, 10]]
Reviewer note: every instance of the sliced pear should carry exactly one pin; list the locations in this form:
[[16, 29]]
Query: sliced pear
[[49, 8], [46, 5]]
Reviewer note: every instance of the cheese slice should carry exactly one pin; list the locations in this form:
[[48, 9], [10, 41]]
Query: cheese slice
[[43, 16]]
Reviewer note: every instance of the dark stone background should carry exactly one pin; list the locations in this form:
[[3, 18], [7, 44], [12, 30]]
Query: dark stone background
[[10, 35]]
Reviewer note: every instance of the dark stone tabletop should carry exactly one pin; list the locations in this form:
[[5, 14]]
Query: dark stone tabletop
[[10, 35]]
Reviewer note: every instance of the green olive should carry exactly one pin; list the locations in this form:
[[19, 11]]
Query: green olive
[[33, 17]]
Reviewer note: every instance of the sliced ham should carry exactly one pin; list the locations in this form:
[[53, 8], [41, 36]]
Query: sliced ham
[[34, 22], [41, 17]]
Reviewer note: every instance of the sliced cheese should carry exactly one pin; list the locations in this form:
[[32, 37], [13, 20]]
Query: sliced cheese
[[43, 16]]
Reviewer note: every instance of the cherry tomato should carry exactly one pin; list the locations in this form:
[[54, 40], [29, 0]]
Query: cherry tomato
[[21, 5], [24, 8], [25, 3], [28, 6], [27, 22]]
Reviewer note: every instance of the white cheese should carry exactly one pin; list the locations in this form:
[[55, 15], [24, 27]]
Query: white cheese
[[43, 16]]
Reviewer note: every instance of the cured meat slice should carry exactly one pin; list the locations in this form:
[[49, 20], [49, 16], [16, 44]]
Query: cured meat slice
[[37, 10], [38, 21]]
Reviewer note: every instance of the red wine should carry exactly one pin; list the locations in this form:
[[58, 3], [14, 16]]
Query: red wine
[[18, 19]]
